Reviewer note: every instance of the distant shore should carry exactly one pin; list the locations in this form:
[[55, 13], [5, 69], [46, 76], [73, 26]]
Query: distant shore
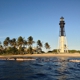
[[44, 55]]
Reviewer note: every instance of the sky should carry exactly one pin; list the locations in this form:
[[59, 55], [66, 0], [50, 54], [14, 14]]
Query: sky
[[40, 19]]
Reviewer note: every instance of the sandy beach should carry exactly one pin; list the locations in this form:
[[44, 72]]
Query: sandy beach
[[44, 55]]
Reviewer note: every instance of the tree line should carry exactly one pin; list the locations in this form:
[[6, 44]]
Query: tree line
[[69, 51], [21, 46]]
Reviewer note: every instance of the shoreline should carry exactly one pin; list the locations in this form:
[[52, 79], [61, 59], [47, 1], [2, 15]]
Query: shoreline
[[43, 55]]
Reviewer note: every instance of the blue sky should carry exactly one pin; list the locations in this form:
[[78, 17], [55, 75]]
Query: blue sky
[[40, 19]]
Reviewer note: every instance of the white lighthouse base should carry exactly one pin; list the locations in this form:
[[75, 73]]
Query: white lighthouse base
[[62, 45]]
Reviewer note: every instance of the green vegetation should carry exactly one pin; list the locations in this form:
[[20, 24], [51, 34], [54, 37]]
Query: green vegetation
[[21, 46], [74, 51], [70, 51]]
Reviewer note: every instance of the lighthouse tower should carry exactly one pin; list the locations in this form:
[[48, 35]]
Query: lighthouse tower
[[62, 48]]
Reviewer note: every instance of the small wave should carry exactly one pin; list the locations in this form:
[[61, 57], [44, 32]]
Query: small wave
[[72, 68], [38, 64], [49, 68], [66, 72], [41, 74], [78, 65]]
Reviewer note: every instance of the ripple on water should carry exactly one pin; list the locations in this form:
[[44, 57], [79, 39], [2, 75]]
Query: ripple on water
[[38, 64], [40, 69]]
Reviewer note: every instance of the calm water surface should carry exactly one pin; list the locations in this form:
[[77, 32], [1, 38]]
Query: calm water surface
[[40, 69]]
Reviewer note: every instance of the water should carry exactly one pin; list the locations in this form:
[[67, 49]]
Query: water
[[40, 69]]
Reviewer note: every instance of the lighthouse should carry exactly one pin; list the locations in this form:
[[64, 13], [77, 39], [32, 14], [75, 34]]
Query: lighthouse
[[62, 48]]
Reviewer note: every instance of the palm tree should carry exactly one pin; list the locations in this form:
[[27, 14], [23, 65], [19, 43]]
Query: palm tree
[[30, 40], [30, 50], [8, 40], [47, 46], [11, 43], [25, 43], [39, 44], [30, 43], [5, 43], [20, 41], [14, 42]]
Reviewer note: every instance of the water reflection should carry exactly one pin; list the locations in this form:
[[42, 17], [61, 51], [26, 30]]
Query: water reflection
[[62, 68]]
